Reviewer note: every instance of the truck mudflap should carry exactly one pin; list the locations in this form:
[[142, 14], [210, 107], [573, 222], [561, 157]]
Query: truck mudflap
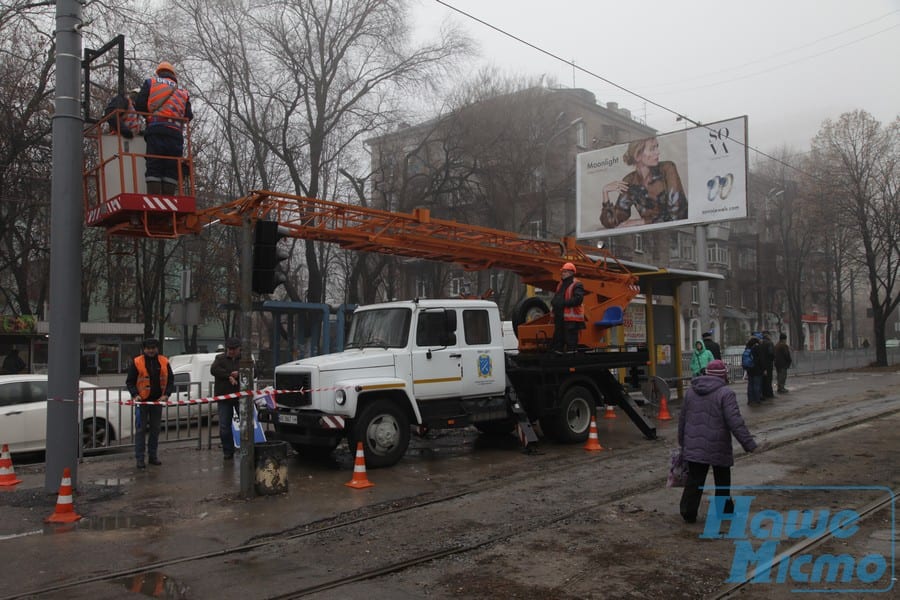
[[623, 400], [524, 429]]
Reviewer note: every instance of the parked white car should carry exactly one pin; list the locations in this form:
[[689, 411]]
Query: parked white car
[[193, 380], [23, 414]]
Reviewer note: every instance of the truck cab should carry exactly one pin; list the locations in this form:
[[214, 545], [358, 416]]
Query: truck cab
[[432, 363]]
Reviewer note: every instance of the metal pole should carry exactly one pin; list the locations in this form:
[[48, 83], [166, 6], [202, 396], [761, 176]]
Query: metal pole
[[66, 216], [248, 474], [703, 284]]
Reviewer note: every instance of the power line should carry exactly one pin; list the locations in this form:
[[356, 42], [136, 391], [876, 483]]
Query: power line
[[614, 84]]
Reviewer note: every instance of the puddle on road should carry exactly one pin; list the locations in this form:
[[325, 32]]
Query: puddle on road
[[155, 584]]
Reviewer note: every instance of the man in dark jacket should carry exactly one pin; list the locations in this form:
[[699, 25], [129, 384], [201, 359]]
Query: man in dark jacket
[[225, 369], [149, 379], [711, 345], [568, 312], [783, 362], [709, 417], [767, 355], [754, 372]]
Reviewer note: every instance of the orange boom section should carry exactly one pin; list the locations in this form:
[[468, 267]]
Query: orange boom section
[[609, 286]]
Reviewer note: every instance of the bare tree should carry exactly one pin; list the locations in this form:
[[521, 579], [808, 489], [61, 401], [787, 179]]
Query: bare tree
[[858, 157], [296, 85]]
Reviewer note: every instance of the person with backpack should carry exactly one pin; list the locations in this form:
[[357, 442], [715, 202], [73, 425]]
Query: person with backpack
[[699, 359], [752, 365]]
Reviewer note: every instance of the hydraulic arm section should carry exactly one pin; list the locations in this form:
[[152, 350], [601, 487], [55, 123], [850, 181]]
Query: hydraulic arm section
[[609, 286]]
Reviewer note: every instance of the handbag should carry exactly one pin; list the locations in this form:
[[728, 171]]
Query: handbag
[[678, 469]]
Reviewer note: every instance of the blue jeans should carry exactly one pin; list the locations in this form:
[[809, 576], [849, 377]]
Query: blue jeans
[[754, 388], [227, 409], [147, 422]]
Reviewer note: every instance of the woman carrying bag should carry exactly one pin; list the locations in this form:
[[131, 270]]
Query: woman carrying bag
[[708, 419]]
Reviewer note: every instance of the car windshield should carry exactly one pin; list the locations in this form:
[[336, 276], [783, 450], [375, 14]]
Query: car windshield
[[381, 328]]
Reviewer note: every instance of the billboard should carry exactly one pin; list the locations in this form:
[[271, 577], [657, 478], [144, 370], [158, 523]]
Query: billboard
[[685, 177]]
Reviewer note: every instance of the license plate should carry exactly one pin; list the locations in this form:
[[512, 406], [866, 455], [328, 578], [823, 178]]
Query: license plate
[[289, 419]]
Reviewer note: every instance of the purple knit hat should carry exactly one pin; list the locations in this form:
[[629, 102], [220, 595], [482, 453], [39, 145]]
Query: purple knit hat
[[717, 368]]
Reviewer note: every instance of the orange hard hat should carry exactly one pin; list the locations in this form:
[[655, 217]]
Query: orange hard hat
[[568, 267], [166, 67]]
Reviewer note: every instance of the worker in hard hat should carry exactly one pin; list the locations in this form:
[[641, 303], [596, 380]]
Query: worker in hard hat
[[168, 107], [125, 120], [568, 310]]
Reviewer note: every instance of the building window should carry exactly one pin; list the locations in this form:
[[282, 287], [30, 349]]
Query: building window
[[536, 229], [496, 282], [638, 243], [581, 135], [712, 297], [695, 293], [728, 297], [421, 289], [457, 286], [674, 250], [744, 298], [717, 254], [687, 248]]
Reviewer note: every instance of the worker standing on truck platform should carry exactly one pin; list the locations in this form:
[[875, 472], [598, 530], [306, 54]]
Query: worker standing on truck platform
[[168, 105], [568, 312]]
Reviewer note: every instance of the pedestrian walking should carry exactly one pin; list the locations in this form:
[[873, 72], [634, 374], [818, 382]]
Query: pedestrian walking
[[168, 106], [709, 417], [712, 345], [225, 370], [750, 361], [767, 355], [700, 357], [783, 362], [568, 312], [149, 379]]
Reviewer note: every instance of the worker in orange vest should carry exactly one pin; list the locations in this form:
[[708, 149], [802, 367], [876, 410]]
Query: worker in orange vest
[[149, 379], [168, 108], [568, 310]]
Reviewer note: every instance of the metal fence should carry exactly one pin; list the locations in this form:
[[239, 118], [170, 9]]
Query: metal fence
[[108, 424], [808, 362]]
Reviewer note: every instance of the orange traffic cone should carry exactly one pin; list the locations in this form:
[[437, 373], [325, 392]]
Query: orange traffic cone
[[359, 480], [593, 442], [65, 511], [610, 412], [663, 410], [7, 474]]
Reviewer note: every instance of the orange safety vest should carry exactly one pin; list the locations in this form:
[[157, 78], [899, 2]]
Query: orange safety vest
[[143, 379], [167, 102], [132, 120], [571, 313]]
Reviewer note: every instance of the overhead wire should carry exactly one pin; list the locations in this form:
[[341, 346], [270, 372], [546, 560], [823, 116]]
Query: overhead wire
[[631, 92]]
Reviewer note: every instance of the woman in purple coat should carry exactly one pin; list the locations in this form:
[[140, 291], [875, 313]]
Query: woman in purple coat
[[708, 419]]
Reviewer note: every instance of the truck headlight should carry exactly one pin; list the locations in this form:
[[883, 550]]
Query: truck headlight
[[340, 397]]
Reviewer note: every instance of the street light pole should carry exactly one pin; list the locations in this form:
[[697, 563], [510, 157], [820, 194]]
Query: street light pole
[[544, 227]]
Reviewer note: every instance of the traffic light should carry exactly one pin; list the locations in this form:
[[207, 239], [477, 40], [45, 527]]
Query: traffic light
[[266, 256]]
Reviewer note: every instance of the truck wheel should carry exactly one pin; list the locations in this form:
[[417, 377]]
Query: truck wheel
[[527, 310], [573, 422], [383, 428]]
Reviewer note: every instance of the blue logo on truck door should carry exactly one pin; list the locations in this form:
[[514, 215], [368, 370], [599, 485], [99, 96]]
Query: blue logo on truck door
[[485, 366]]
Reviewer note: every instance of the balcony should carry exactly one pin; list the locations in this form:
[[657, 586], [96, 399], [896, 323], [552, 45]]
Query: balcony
[[717, 232]]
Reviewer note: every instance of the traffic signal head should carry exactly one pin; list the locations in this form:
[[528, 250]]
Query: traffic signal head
[[266, 256]]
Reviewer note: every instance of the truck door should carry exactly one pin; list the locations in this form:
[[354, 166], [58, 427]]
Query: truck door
[[436, 357], [483, 370]]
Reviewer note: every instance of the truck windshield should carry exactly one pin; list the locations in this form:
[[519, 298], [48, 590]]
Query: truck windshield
[[384, 328]]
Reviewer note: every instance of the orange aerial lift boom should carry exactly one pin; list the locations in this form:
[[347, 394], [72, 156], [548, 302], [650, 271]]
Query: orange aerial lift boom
[[609, 286]]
